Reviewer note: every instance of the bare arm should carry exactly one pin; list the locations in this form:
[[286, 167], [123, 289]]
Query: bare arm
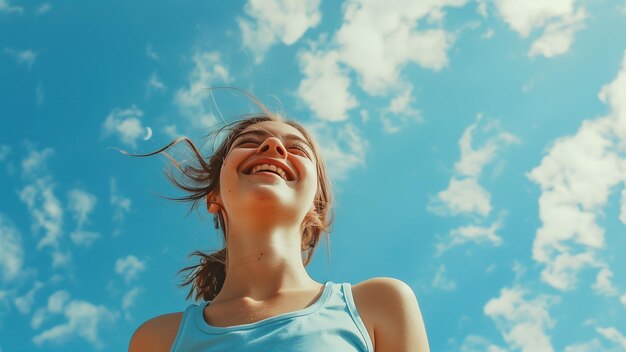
[[398, 325], [156, 334]]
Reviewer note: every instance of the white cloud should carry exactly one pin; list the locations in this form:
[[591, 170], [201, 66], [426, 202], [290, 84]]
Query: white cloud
[[129, 267], [24, 303], [155, 84], [192, 102], [57, 301], [84, 238], [558, 37], [471, 233], [475, 343], [128, 301], [603, 285], [81, 204], [441, 281], [151, 53], [559, 17], [519, 270], [401, 108], [39, 94], [11, 250], [591, 346], [45, 210], [622, 299], [525, 16], [276, 20], [60, 258], [612, 334], [83, 319], [464, 194], [56, 304], [377, 38], [43, 8], [522, 322], [35, 163], [576, 178], [324, 87], [26, 57], [121, 204], [342, 149], [482, 8], [5, 6], [489, 33], [473, 160], [125, 124], [5, 150]]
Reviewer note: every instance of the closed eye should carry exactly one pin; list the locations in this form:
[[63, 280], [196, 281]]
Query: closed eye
[[295, 145]]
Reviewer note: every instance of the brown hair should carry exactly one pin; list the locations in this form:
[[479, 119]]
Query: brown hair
[[198, 180]]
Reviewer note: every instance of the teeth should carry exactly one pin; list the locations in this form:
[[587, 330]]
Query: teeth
[[271, 168]]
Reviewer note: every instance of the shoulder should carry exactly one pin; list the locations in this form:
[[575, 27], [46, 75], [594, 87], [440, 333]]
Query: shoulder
[[156, 334], [395, 314]]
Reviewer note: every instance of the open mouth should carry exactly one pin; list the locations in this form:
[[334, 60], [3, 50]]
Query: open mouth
[[267, 169]]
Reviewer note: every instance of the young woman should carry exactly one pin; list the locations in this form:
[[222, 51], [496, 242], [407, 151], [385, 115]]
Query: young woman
[[266, 184]]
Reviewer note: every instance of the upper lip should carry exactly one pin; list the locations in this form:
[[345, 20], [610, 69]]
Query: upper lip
[[290, 174]]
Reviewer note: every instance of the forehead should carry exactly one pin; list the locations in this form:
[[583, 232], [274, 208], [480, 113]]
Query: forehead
[[274, 128]]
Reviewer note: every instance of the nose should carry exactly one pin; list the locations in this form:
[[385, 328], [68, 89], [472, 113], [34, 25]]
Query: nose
[[272, 146]]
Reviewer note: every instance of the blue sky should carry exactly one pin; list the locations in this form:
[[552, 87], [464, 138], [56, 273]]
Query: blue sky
[[477, 150]]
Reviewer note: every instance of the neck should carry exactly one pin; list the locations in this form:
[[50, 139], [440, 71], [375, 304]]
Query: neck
[[263, 262]]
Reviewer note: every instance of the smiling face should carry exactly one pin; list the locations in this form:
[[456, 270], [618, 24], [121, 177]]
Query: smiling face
[[246, 190]]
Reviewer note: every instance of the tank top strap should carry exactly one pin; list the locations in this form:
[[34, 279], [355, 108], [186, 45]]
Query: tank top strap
[[185, 320], [346, 289]]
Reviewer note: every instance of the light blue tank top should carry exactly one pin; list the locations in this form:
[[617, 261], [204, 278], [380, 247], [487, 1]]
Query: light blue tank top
[[331, 323]]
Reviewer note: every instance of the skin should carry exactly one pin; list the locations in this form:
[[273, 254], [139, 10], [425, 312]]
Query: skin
[[266, 276]]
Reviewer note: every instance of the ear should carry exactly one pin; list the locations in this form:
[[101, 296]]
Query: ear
[[211, 200]]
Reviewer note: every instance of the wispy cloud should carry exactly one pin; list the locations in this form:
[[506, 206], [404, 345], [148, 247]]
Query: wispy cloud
[[11, 250], [81, 204], [6, 7], [43, 8], [270, 21], [82, 319], [441, 281], [125, 124], [128, 301], [129, 267], [613, 335], [35, 164], [471, 233], [523, 322], [475, 343], [5, 150], [25, 302], [401, 108], [45, 210], [465, 195], [84, 238], [324, 87], [39, 94], [343, 148], [26, 57], [192, 101], [560, 20], [154, 84], [377, 50], [604, 283], [121, 204], [151, 53], [576, 178]]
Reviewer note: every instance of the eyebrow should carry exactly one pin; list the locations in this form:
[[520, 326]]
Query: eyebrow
[[261, 133]]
